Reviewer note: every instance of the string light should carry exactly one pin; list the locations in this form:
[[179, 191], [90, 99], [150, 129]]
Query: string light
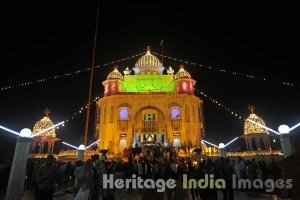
[[82, 109], [248, 76], [218, 103], [67, 74]]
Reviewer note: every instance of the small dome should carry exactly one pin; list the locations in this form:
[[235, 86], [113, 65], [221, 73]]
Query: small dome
[[250, 128], [182, 73], [43, 124], [148, 60], [115, 74]]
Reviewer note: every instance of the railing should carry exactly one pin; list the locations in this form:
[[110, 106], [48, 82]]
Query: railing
[[176, 124], [123, 125], [149, 126], [248, 153]]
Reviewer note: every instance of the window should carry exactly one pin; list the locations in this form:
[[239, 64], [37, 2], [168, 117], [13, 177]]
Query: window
[[149, 117], [123, 113], [175, 113]]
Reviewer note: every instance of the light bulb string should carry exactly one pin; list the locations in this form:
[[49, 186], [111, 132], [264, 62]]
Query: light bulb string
[[64, 75], [220, 104], [234, 73]]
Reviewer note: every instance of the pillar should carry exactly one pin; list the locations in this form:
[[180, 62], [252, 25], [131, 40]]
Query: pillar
[[80, 154], [223, 152], [286, 146], [18, 169]]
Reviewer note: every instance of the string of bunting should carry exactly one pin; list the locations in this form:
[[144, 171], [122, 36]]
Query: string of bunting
[[234, 73], [67, 74], [221, 105]]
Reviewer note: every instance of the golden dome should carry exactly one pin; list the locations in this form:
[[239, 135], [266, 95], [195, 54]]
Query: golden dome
[[182, 73], [250, 128], [115, 74], [43, 124], [148, 60]]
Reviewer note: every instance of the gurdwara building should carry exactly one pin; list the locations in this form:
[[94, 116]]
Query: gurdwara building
[[149, 105]]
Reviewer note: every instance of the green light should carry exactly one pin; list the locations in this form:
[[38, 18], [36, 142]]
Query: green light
[[148, 83]]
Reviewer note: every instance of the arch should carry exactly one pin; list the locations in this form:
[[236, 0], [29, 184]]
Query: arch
[[176, 142], [123, 144]]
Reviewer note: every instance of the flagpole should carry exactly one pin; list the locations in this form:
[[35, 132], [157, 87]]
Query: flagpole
[[85, 135], [162, 52]]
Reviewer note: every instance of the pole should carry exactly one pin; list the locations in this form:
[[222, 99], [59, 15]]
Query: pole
[[162, 52], [223, 152], [91, 80], [18, 169], [80, 155], [286, 146]]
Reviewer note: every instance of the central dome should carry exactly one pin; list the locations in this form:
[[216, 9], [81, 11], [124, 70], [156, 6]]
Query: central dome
[[148, 64]]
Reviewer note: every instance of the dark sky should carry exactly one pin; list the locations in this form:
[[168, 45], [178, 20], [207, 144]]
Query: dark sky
[[47, 38]]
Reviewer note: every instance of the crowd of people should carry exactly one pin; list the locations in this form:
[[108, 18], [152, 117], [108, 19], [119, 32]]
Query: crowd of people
[[86, 177]]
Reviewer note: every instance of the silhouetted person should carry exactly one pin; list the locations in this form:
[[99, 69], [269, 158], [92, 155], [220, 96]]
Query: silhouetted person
[[47, 177], [4, 176]]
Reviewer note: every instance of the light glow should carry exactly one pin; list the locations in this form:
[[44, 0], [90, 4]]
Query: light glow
[[221, 146], [231, 141], [70, 145], [92, 144], [25, 132], [258, 124], [81, 147], [293, 127], [283, 129], [9, 130], [210, 143]]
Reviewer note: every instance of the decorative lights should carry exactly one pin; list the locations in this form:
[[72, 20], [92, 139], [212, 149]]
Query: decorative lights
[[238, 74], [67, 74], [218, 103]]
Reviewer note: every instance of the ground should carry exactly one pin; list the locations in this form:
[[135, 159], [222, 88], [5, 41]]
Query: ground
[[143, 195]]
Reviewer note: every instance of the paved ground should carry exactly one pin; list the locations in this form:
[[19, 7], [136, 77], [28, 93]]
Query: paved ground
[[139, 195]]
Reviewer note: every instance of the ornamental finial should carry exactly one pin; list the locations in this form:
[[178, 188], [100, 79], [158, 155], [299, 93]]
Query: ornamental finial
[[148, 49], [47, 112], [251, 108]]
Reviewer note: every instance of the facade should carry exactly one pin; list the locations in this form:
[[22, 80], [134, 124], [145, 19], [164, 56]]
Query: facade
[[149, 107]]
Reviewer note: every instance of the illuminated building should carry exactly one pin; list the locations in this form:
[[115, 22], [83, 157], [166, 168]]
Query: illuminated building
[[49, 137], [149, 107], [253, 132]]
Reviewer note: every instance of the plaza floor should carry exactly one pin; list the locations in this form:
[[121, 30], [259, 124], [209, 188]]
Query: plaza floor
[[141, 195]]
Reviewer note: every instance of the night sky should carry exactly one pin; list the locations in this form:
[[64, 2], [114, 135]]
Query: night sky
[[40, 40]]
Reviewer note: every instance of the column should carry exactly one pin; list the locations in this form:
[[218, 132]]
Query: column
[[286, 146], [18, 169]]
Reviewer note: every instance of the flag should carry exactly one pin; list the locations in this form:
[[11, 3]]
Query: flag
[[161, 42]]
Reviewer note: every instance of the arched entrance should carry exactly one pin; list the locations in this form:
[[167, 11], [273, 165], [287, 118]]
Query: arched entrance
[[149, 127]]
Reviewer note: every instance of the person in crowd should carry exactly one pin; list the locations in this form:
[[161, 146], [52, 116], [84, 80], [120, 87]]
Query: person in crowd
[[79, 175], [47, 178], [86, 189], [4, 176]]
